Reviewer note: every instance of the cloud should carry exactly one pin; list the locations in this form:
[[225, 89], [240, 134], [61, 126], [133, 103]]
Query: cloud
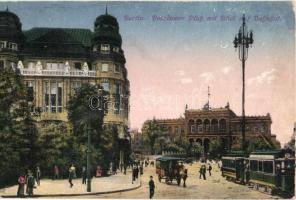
[[207, 76], [265, 77], [226, 70], [186, 80]]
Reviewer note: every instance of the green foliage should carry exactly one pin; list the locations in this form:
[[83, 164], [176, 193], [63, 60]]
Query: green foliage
[[257, 144], [85, 119], [216, 148], [18, 134], [151, 132]]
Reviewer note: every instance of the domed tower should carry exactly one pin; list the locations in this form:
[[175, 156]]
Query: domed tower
[[11, 38], [109, 62]]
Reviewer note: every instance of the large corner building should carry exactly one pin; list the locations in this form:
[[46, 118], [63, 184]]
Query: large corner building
[[56, 61]]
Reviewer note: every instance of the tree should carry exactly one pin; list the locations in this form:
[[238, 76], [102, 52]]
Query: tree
[[216, 148], [83, 118], [151, 132], [18, 133]]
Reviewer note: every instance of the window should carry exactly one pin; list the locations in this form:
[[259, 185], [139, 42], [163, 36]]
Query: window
[[13, 46], [105, 48], [116, 49], [105, 86], [256, 129], [199, 128], [2, 44], [77, 65], [46, 95], [268, 166], [75, 85], [117, 68], [55, 66], [105, 67], [262, 129], [260, 164], [30, 85], [182, 130], [254, 165], [60, 89], [192, 128], [53, 96]]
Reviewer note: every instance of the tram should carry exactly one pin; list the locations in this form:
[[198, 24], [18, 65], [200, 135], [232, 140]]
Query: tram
[[272, 172]]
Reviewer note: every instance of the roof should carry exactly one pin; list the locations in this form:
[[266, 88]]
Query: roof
[[167, 158], [82, 36]]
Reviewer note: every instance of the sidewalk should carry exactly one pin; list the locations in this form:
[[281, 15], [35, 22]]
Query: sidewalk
[[103, 185]]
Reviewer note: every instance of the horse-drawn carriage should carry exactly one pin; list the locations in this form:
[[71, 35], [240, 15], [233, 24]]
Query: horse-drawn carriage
[[169, 168]]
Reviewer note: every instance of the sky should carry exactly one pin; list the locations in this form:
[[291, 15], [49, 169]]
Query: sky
[[171, 62]]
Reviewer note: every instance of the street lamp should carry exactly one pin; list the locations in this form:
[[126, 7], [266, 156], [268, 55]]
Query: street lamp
[[242, 41], [94, 103]]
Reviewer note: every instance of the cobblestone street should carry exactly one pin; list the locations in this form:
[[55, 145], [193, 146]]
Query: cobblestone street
[[213, 188]]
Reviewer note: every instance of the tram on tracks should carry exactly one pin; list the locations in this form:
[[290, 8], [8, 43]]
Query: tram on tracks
[[272, 172]]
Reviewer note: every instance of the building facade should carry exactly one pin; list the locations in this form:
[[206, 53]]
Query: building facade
[[56, 61], [203, 125]]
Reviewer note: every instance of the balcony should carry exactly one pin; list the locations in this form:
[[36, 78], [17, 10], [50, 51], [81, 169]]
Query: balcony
[[60, 73]]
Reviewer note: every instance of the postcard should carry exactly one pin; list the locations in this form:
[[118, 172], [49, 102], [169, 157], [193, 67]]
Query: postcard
[[147, 99]]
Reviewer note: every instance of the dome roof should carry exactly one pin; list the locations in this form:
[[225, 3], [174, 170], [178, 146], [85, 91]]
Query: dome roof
[[106, 20], [10, 26], [106, 30]]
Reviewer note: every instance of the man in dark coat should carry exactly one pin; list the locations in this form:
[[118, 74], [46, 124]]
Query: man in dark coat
[[151, 187], [30, 183], [84, 175]]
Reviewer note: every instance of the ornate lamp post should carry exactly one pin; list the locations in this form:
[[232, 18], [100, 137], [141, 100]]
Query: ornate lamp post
[[242, 41]]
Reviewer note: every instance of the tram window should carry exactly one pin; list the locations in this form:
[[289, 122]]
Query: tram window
[[260, 166], [254, 165], [268, 166]]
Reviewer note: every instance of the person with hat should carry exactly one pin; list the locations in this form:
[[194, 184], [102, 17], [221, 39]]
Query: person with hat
[[151, 187]]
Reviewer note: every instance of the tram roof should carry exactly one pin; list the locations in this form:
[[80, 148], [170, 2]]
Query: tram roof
[[168, 158]]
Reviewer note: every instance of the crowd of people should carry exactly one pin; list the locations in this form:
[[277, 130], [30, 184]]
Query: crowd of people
[[27, 182]]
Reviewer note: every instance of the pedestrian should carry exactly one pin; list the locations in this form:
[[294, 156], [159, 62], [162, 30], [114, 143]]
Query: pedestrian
[[124, 169], [184, 176], [30, 183], [98, 171], [21, 186], [55, 172], [71, 175], [141, 168], [38, 175], [133, 174], [151, 187], [210, 169], [137, 172], [84, 174], [247, 171], [202, 171], [26, 177]]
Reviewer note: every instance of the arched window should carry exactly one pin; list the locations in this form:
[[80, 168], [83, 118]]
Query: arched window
[[222, 125], [191, 126], [199, 126], [207, 125], [214, 125]]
